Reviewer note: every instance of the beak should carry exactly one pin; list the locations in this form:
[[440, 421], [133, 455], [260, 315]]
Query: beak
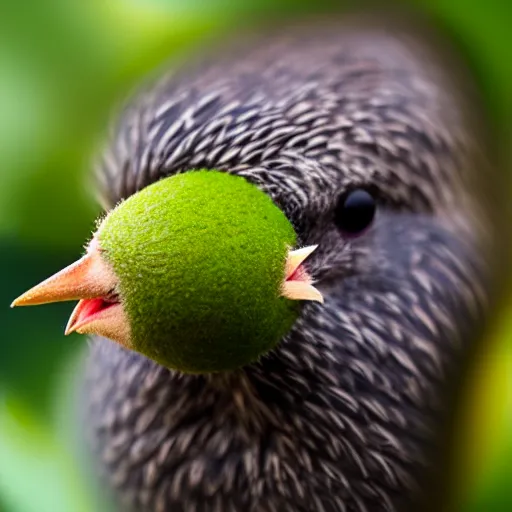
[[298, 284], [90, 280]]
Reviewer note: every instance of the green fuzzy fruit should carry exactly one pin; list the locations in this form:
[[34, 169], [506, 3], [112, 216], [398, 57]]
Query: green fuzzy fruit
[[200, 258]]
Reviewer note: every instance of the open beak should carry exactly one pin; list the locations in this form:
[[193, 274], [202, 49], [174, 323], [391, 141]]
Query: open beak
[[298, 285], [91, 281], [99, 311]]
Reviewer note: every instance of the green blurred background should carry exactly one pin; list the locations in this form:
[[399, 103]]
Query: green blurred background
[[63, 66]]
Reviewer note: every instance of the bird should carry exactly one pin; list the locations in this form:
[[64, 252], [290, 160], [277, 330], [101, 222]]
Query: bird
[[367, 144]]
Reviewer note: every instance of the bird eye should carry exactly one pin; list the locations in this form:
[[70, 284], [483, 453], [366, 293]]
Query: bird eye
[[355, 211]]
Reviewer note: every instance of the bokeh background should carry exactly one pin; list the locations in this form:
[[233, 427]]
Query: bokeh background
[[64, 65]]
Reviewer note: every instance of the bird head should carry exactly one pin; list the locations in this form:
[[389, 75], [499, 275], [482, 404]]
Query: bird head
[[353, 141], [197, 271]]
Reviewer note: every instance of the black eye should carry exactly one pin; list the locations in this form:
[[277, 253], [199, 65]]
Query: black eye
[[355, 211]]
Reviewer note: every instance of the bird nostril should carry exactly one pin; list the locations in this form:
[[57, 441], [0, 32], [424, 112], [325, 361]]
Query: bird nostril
[[112, 297]]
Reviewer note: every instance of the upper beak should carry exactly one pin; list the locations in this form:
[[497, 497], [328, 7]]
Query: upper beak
[[85, 279]]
